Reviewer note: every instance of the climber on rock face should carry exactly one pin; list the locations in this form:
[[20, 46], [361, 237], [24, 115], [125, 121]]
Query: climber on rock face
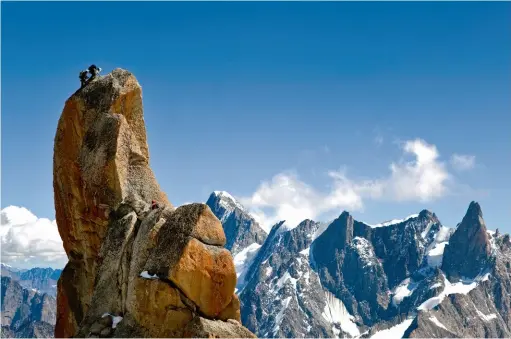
[[94, 71], [154, 205], [83, 78]]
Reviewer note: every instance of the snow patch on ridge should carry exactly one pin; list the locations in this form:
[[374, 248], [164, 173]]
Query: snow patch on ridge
[[437, 323], [280, 315], [305, 251], [460, 287], [364, 250], [444, 233], [242, 261], [393, 221], [336, 313], [395, 332], [284, 279], [436, 254], [485, 317], [405, 289]]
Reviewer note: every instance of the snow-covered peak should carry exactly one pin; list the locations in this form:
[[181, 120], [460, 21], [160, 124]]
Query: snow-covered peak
[[223, 194], [393, 221], [226, 202]]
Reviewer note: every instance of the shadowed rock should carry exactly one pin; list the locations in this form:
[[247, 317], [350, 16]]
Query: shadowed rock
[[469, 247]]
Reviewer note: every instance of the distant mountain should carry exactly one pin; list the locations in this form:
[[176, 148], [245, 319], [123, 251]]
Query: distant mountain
[[44, 280], [241, 230], [244, 235], [26, 313], [28, 302], [412, 277]]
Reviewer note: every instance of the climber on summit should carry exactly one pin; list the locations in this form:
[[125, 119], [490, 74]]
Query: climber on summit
[[83, 78], [94, 71]]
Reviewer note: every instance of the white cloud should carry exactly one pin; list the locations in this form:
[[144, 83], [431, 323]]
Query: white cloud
[[347, 193], [291, 199], [286, 197], [28, 241], [462, 162], [423, 179]]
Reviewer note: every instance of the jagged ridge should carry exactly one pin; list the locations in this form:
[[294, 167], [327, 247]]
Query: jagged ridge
[[380, 276]]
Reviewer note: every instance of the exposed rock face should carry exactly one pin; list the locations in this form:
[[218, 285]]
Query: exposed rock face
[[403, 245], [283, 297], [469, 247], [26, 313], [133, 271], [349, 269]]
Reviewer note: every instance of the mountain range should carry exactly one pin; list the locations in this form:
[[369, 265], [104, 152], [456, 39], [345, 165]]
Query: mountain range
[[41, 280], [28, 303], [402, 278]]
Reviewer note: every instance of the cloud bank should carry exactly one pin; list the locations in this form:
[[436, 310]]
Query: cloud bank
[[285, 197], [28, 241]]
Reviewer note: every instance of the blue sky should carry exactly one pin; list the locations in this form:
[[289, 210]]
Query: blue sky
[[239, 94]]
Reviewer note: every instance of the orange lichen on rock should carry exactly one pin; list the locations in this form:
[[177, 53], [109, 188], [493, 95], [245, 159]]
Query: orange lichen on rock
[[206, 275]]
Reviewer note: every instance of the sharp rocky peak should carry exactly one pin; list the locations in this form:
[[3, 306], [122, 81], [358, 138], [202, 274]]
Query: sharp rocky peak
[[426, 214], [278, 227], [474, 209], [224, 195], [469, 247], [223, 204]]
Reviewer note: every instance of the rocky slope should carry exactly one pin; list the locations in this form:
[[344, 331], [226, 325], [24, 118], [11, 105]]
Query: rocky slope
[[133, 271], [26, 313], [412, 277]]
